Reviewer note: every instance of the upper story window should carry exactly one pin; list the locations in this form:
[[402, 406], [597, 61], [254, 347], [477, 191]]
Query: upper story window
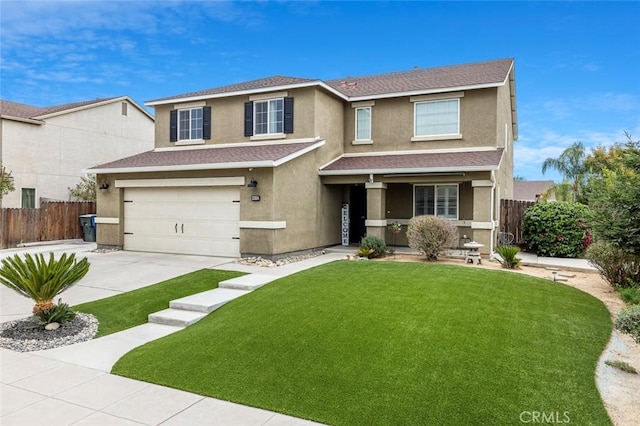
[[363, 124], [436, 200], [190, 125], [435, 118], [268, 117]]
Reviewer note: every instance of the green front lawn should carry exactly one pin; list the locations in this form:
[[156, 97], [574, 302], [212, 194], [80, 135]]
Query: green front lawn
[[394, 343], [127, 310]]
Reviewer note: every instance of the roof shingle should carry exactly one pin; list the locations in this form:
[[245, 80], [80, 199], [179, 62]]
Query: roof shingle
[[14, 109], [419, 161]]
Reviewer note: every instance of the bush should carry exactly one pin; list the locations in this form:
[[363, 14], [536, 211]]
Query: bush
[[557, 229], [431, 235], [508, 257], [628, 321], [59, 313], [618, 267], [374, 243], [630, 295]]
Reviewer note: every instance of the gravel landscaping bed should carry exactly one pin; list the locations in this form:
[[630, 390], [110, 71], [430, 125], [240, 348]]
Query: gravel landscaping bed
[[18, 336], [267, 263]]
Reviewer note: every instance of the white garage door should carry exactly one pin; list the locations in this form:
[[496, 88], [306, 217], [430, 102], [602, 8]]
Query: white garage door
[[183, 220]]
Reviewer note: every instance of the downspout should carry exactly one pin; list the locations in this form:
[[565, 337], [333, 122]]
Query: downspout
[[493, 210]]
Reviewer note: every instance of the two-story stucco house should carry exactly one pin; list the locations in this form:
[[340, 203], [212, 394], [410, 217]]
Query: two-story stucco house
[[266, 167], [46, 148]]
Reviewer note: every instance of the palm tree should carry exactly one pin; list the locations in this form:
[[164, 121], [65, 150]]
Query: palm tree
[[571, 165], [40, 280]]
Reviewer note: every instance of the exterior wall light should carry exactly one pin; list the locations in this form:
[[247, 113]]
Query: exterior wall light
[[253, 183]]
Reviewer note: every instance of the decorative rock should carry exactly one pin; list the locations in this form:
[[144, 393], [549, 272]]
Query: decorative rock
[[52, 326], [266, 263]]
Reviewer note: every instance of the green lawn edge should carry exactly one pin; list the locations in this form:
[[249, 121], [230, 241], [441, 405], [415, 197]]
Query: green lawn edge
[[126, 310], [394, 343]]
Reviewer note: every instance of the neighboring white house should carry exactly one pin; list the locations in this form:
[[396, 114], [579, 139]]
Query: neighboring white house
[[46, 149]]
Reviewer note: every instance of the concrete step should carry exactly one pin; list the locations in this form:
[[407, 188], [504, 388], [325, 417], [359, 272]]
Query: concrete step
[[207, 301], [248, 282], [176, 317]]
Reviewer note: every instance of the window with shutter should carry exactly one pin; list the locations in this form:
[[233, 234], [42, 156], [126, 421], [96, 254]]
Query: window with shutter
[[268, 117], [190, 124]]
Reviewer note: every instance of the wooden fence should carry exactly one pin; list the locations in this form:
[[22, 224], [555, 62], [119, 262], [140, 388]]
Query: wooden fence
[[511, 212], [54, 220]]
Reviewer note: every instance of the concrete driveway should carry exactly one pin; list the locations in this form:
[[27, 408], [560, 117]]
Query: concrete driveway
[[109, 274]]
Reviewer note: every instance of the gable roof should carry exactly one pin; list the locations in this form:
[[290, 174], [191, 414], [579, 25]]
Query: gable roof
[[414, 162], [427, 80], [230, 156], [530, 190], [15, 110]]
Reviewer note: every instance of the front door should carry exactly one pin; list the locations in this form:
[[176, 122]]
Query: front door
[[357, 213]]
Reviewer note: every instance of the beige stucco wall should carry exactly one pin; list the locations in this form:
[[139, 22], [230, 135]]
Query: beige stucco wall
[[227, 118], [51, 156], [392, 122], [504, 130]]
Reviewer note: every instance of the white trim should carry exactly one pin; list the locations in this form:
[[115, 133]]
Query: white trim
[[242, 144], [375, 185], [268, 136], [377, 223], [363, 104], [435, 138], [267, 96], [211, 166], [436, 97], [355, 116], [482, 225], [185, 142], [418, 151], [21, 119], [263, 224], [415, 121], [97, 104], [189, 105], [404, 171], [180, 182], [250, 92], [298, 153], [108, 220], [481, 183], [362, 142]]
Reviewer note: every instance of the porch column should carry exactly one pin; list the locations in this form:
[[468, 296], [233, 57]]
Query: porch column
[[376, 222], [483, 223]]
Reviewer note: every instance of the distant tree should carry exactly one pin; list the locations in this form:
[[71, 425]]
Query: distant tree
[[85, 190], [571, 165], [559, 191], [519, 178], [6, 182]]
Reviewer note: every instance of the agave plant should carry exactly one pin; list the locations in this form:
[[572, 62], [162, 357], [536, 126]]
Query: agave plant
[[37, 279]]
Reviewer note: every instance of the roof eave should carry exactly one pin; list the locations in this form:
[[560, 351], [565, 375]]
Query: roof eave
[[425, 92], [97, 104], [21, 119], [177, 100], [407, 170]]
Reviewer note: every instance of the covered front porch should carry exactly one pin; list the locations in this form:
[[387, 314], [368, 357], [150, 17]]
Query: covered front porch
[[469, 197]]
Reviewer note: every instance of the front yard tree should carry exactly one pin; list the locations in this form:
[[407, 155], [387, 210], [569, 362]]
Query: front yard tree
[[570, 164], [6, 182]]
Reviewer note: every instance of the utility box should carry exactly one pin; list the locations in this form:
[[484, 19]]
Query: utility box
[[88, 225]]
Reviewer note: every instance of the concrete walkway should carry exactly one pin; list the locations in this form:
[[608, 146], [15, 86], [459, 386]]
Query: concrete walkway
[[71, 385]]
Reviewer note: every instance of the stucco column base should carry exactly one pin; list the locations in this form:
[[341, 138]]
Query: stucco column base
[[376, 231], [482, 236]]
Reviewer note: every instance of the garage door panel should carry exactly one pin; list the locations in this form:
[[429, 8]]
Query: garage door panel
[[206, 220]]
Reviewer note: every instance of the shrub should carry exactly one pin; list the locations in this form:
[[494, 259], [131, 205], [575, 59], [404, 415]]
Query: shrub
[[508, 257], [557, 229], [630, 295], [374, 243], [59, 313], [618, 267], [431, 235], [40, 280], [628, 321]]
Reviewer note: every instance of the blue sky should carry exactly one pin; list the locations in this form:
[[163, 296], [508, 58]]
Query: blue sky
[[577, 63]]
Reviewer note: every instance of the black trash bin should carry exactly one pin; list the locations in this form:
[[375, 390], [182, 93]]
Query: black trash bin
[[88, 224]]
